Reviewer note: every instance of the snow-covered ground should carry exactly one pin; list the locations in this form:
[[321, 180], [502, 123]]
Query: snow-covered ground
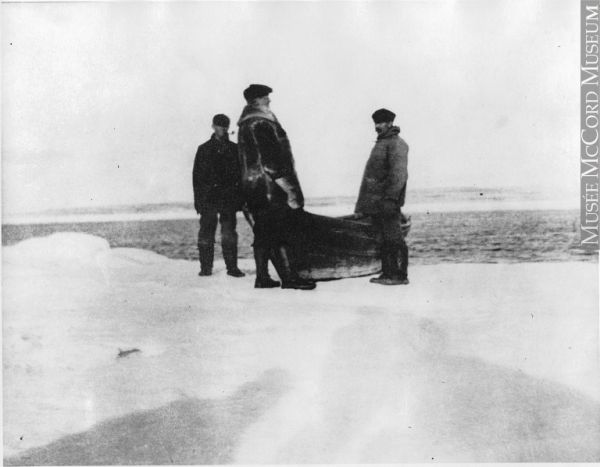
[[470, 362], [327, 210]]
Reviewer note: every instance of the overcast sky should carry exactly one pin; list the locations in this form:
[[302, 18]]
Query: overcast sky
[[106, 103]]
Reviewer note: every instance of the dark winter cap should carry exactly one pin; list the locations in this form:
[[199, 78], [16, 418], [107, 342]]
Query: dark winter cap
[[256, 90], [221, 120], [383, 115]]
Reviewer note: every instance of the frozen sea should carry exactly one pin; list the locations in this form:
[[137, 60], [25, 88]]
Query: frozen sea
[[452, 225], [490, 354]]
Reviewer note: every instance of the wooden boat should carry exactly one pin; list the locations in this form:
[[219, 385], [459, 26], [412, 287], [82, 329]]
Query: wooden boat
[[341, 247]]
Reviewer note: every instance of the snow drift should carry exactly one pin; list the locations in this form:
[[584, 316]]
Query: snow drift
[[470, 362]]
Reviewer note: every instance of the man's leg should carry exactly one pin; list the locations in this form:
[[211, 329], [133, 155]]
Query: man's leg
[[403, 250], [389, 260], [206, 240], [271, 230], [229, 239], [288, 254], [392, 245], [385, 264], [298, 228], [261, 258], [280, 256], [262, 252]]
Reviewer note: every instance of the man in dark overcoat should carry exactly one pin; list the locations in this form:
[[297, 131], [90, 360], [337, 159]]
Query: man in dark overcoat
[[382, 195], [272, 191], [217, 197]]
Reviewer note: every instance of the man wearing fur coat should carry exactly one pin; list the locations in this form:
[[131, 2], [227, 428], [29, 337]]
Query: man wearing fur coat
[[382, 194], [272, 191]]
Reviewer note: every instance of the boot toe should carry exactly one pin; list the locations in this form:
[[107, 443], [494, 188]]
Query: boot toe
[[379, 279], [393, 281], [299, 284], [235, 273], [267, 283]]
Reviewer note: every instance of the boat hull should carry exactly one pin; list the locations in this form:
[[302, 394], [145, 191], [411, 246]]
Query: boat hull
[[341, 247]]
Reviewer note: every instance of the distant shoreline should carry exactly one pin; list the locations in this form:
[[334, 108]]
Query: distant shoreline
[[328, 210]]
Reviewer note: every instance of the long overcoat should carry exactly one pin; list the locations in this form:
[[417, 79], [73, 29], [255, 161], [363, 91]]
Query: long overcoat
[[385, 174], [265, 156]]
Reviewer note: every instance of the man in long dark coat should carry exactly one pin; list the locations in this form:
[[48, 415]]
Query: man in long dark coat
[[272, 191], [217, 197], [382, 195]]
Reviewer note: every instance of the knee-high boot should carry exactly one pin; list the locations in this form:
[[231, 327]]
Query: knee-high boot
[[230, 258], [263, 280], [289, 277], [206, 253]]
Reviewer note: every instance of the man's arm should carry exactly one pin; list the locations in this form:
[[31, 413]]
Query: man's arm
[[397, 170], [277, 164], [199, 179], [271, 152], [236, 177]]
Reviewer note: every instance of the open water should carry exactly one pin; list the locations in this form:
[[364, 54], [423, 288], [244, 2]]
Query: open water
[[437, 237]]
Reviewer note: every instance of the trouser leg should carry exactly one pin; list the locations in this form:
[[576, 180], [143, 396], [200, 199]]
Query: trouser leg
[[206, 240], [229, 238], [386, 264], [403, 250], [299, 229], [262, 248], [284, 231], [389, 261], [393, 244], [399, 245]]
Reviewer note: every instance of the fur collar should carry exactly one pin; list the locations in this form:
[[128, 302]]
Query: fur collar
[[252, 111], [392, 131]]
